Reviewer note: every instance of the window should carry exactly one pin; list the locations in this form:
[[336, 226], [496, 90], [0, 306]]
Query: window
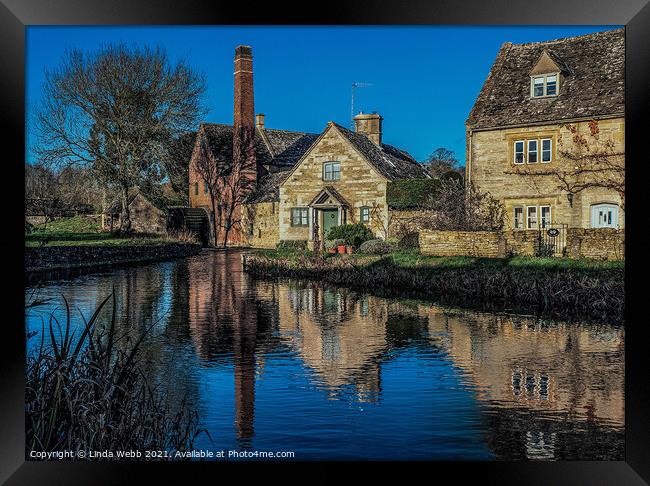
[[300, 217], [532, 151], [365, 214], [531, 220], [546, 85], [547, 145], [196, 188], [519, 152], [544, 216], [519, 218], [205, 187], [604, 216], [331, 171]]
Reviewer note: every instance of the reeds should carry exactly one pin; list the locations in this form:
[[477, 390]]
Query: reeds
[[89, 392]]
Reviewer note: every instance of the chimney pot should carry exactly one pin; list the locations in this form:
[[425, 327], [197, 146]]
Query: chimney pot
[[259, 120], [369, 125]]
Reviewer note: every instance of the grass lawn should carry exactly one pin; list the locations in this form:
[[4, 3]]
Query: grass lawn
[[412, 258], [78, 231]]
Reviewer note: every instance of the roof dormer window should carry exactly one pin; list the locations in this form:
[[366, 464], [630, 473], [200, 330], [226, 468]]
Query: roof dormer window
[[544, 85]]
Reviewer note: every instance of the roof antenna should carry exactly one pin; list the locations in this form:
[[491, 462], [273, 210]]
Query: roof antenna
[[354, 87]]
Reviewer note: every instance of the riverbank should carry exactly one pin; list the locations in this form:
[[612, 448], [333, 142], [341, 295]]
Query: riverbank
[[54, 258], [558, 288]]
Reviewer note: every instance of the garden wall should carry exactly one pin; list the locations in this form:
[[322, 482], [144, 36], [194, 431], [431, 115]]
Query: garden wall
[[600, 243], [67, 257]]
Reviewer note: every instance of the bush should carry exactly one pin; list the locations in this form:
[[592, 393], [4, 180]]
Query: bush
[[410, 193], [334, 243], [409, 241], [292, 244], [352, 234], [375, 247]]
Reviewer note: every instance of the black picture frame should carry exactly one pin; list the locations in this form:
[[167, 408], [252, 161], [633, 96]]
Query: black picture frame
[[15, 15]]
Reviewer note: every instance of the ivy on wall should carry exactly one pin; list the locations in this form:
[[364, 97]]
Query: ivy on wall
[[410, 193]]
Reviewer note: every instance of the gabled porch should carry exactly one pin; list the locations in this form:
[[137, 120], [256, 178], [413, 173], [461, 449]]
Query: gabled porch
[[328, 209]]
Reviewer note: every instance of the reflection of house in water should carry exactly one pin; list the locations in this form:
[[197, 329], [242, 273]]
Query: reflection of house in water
[[535, 374]]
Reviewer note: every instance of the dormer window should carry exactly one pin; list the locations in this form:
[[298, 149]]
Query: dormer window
[[544, 85]]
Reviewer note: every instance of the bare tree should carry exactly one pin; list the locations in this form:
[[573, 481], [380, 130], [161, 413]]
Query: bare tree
[[114, 110], [587, 161], [442, 161]]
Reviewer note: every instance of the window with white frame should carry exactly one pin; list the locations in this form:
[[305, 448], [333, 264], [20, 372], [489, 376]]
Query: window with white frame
[[544, 85], [604, 216], [532, 151], [531, 217], [547, 150], [519, 152], [544, 216], [365, 214], [299, 216], [331, 171], [518, 222]]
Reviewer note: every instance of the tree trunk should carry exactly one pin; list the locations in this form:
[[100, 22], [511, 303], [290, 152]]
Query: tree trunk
[[215, 224], [125, 216]]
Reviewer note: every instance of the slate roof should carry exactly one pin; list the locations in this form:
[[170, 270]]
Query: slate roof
[[592, 84], [389, 161], [268, 188], [286, 147]]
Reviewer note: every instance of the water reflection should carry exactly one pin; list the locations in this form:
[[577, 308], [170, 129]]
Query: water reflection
[[332, 373]]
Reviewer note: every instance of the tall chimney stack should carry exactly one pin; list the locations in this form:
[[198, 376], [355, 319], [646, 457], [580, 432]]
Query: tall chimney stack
[[369, 125], [244, 115]]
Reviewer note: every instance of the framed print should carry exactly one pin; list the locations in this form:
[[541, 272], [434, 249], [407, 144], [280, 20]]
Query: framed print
[[392, 234]]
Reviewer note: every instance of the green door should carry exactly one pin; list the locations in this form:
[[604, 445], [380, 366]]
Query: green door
[[330, 219]]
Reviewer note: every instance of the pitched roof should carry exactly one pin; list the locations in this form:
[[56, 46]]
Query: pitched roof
[[389, 161], [284, 148], [592, 83], [268, 188]]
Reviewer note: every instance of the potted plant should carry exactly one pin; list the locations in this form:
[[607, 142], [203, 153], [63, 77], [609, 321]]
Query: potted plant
[[330, 246], [348, 249], [340, 245]]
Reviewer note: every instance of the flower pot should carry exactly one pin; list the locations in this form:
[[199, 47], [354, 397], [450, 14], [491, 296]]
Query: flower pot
[[331, 250], [348, 249], [341, 248]]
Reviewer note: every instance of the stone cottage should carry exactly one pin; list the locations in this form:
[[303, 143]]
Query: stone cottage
[[546, 134], [146, 217], [299, 184]]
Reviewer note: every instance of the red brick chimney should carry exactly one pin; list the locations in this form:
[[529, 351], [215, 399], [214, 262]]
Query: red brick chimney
[[244, 115]]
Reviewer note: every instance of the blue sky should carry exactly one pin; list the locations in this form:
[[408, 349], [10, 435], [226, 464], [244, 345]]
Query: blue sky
[[424, 79]]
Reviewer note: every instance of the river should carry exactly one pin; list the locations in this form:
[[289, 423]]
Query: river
[[330, 373]]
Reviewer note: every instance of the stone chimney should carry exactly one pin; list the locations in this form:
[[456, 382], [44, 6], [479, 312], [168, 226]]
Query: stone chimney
[[259, 120], [369, 125], [244, 115]]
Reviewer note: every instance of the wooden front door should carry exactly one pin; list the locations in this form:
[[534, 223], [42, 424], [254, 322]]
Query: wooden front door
[[330, 219]]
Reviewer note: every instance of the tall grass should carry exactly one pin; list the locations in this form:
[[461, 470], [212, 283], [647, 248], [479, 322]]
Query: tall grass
[[89, 392]]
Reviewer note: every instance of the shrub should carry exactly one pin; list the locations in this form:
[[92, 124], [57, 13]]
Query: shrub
[[352, 234], [410, 193], [409, 241], [375, 247], [334, 243], [292, 244]]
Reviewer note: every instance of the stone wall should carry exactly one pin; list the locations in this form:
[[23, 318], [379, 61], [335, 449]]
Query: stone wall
[[260, 223], [145, 218], [462, 243], [68, 257], [595, 243], [600, 243]]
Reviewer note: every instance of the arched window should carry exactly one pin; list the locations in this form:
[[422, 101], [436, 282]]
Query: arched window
[[604, 215]]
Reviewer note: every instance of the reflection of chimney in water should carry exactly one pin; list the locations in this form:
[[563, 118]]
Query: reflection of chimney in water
[[245, 334]]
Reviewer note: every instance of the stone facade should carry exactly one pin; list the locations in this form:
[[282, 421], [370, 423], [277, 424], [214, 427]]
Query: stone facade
[[260, 223], [145, 217], [491, 167], [359, 186]]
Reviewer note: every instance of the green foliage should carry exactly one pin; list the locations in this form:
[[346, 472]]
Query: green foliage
[[375, 247], [334, 243], [410, 193], [352, 234], [292, 244]]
